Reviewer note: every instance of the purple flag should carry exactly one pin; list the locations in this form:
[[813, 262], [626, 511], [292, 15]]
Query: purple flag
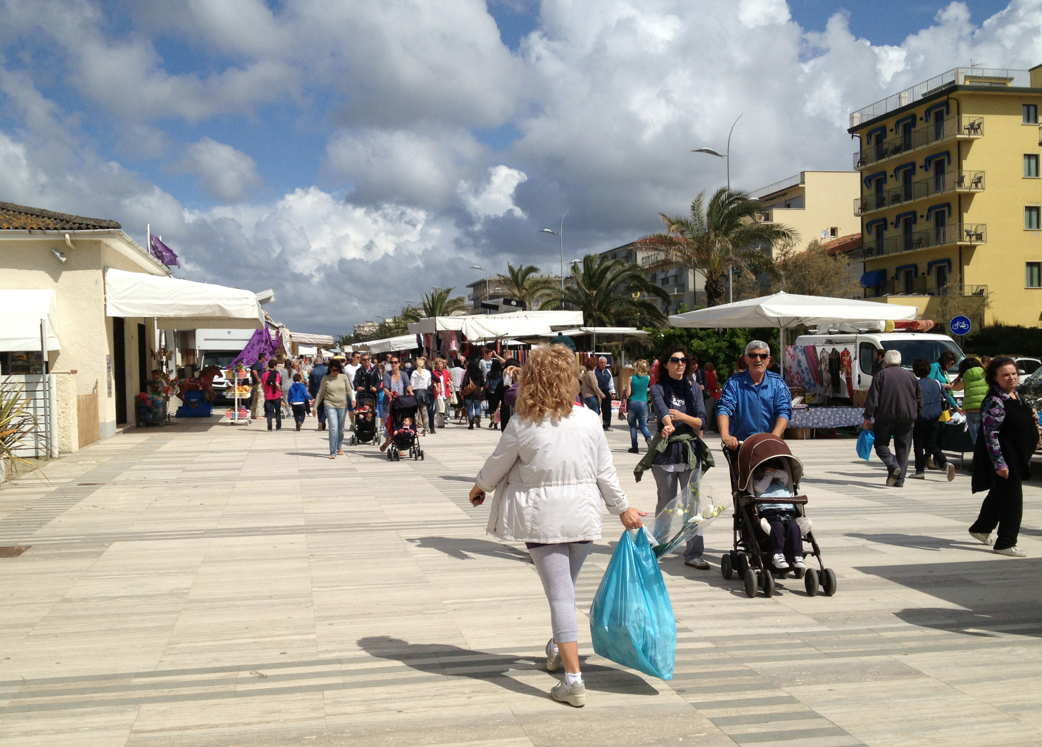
[[162, 252]]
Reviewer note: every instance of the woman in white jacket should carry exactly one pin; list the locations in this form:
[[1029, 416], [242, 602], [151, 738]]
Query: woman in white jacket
[[551, 471]]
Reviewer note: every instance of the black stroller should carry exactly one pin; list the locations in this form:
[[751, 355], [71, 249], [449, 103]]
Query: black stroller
[[752, 556], [365, 429], [402, 407]]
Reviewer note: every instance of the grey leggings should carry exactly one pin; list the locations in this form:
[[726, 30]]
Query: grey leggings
[[558, 567]]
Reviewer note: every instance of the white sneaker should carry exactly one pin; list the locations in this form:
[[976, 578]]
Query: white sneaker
[[573, 695], [1012, 552], [950, 469], [553, 656], [984, 539], [780, 562], [798, 563]]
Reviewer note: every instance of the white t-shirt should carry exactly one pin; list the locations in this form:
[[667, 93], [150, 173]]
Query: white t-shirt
[[457, 375], [351, 369], [421, 379]]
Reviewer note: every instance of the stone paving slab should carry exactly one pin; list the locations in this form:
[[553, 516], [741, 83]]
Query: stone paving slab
[[209, 585]]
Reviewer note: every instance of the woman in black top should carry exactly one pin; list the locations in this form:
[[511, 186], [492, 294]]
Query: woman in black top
[[679, 412], [1002, 458], [475, 377], [494, 391]]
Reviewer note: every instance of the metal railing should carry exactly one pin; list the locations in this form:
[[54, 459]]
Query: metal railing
[[960, 76], [951, 181], [921, 286], [792, 181], [920, 137], [956, 233]]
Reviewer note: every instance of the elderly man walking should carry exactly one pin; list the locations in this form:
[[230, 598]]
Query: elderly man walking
[[753, 401], [895, 401], [606, 383]]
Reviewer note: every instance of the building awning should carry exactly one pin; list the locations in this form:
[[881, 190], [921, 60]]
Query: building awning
[[388, 344], [180, 304], [20, 315], [455, 323], [873, 279], [303, 338]]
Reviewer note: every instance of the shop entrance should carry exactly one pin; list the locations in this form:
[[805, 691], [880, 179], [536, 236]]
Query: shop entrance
[[119, 365], [142, 359]]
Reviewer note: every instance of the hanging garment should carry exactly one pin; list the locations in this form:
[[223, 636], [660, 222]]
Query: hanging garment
[[792, 369], [823, 371], [835, 364], [845, 363], [453, 342]]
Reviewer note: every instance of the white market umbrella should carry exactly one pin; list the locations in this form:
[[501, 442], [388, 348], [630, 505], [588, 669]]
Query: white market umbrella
[[786, 310]]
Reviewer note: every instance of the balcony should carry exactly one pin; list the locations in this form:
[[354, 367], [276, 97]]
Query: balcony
[[958, 127], [920, 286], [952, 181], [970, 234]]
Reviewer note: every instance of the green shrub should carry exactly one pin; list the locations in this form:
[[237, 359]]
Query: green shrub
[[1002, 339]]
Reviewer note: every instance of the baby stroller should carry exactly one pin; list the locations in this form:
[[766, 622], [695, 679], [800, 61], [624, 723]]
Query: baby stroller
[[403, 407], [752, 556], [364, 431]]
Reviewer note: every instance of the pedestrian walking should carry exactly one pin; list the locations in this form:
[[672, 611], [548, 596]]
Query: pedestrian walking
[[442, 391], [298, 400], [511, 381], [972, 383], [712, 392], [350, 370], [421, 389], [257, 392], [924, 432], [494, 392], [473, 389], [677, 467], [1002, 458], [551, 471], [754, 400], [318, 372], [606, 383], [895, 401], [395, 384], [456, 374], [334, 393], [637, 404], [589, 389], [272, 384]]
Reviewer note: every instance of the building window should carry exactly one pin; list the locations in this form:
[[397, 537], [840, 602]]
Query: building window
[[1031, 217], [1031, 165], [834, 232], [940, 273], [1033, 275], [1030, 113]]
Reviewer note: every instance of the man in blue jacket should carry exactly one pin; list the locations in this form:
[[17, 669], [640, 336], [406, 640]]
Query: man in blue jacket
[[314, 382], [753, 401]]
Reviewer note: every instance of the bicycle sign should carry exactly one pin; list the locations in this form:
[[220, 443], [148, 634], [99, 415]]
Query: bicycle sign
[[960, 325]]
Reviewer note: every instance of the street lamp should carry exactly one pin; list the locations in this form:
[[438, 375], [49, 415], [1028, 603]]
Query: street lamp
[[485, 270], [727, 157], [561, 234]]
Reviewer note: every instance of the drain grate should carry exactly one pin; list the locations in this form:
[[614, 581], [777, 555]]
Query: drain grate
[[13, 552]]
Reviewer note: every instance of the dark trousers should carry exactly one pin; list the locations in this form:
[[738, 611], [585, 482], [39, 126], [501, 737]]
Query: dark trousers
[[925, 438], [504, 415], [321, 414], [606, 409], [901, 431], [785, 532], [273, 409], [298, 414], [1003, 507]]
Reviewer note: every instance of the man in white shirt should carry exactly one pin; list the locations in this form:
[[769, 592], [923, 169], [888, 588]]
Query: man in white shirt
[[351, 369], [456, 374]]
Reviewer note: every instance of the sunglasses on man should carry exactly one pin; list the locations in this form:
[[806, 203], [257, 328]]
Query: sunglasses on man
[[758, 356]]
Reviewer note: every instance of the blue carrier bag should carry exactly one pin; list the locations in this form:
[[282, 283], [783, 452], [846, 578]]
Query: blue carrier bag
[[631, 619], [864, 444]]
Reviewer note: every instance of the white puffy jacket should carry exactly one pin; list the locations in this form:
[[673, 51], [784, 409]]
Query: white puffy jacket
[[550, 480]]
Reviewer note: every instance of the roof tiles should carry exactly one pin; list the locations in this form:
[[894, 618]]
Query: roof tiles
[[21, 218]]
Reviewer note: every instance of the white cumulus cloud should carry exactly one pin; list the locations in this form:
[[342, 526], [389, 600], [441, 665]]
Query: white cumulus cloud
[[224, 173], [496, 197]]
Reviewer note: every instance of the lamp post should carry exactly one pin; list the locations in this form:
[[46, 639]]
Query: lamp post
[[727, 157], [561, 234]]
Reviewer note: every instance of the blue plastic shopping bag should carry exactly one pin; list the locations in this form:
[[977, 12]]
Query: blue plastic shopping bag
[[631, 619], [864, 444]]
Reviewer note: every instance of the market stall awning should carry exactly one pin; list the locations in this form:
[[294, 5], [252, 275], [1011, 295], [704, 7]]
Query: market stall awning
[[784, 310], [389, 344], [605, 331], [303, 338], [556, 318], [20, 315], [180, 304]]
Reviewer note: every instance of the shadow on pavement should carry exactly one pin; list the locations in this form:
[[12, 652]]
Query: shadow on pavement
[[463, 548], [921, 541], [453, 661], [314, 455], [995, 594]]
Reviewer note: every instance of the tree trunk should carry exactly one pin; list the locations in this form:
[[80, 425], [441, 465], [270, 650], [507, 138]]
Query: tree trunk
[[714, 291]]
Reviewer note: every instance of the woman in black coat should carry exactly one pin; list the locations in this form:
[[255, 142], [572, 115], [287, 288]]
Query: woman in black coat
[[1002, 458]]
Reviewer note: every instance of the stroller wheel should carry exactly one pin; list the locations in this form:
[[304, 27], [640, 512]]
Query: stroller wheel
[[768, 584], [810, 581], [828, 582], [742, 564], [798, 572], [353, 440], [725, 567], [750, 582]]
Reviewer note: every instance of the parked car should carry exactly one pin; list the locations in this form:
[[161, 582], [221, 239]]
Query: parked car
[[1030, 387], [1026, 367]]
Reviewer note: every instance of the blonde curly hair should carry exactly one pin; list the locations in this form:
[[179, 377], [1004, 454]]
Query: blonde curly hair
[[642, 368], [548, 384]]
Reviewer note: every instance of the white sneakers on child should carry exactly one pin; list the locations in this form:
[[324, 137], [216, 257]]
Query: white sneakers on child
[[780, 562], [798, 563]]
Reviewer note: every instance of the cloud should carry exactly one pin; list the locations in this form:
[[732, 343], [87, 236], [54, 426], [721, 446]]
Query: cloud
[[224, 173], [496, 198]]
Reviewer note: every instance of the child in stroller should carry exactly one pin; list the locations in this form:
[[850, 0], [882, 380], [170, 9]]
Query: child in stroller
[[365, 419], [771, 479], [402, 434]]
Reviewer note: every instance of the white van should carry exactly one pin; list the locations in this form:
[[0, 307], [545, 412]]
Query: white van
[[861, 345], [219, 347]]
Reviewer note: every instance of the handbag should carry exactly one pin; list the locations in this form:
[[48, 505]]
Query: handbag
[[469, 388], [946, 415]]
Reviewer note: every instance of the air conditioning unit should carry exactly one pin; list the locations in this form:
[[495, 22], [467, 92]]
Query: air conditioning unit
[[759, 217]]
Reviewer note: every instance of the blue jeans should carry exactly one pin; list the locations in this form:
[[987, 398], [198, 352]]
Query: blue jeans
[[637, 415], [593, 403], [973, 424], [473, 408], [335, 417]]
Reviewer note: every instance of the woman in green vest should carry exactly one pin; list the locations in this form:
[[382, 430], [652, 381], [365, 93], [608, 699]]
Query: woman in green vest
[[971, 381]]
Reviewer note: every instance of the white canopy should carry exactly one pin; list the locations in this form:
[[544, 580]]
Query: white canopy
[[20, 315], [303, 338], [784, 310], [557, 318], [180, 304], [580, 331], [389, 344]]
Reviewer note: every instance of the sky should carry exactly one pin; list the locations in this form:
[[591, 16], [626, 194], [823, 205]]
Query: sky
[[352, 155]]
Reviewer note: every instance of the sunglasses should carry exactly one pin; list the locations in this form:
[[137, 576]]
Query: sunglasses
[[759, 356], [395, 363], [678, 360]]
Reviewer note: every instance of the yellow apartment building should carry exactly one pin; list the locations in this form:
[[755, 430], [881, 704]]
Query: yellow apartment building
[[950, 197], [815, 203]]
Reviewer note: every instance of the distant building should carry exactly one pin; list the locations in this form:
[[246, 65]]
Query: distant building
[[950, 203], [366, 328], [815, 203], [684, 286]]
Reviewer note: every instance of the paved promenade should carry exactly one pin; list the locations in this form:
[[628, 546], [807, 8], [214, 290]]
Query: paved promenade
[[210, 585]]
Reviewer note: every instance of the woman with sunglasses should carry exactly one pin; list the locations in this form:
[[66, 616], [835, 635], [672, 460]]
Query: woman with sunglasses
[[681, 413], [395, 385]]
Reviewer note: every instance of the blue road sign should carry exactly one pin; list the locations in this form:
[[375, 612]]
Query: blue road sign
[[960, 325]]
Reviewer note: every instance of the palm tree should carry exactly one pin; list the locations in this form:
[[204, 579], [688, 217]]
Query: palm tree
[[610, 292], [724, 236], [440, 303], [525, 285]]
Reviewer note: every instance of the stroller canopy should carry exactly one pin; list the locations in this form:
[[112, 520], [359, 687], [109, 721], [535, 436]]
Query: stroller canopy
[[758, 449], [403, 403]]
